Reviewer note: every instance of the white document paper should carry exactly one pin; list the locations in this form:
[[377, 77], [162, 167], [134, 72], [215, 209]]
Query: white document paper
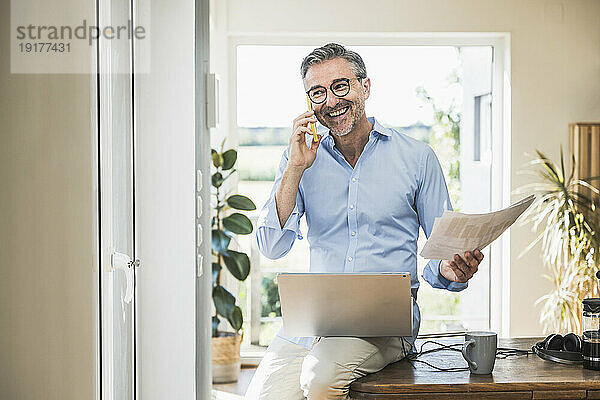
[[456, 233]]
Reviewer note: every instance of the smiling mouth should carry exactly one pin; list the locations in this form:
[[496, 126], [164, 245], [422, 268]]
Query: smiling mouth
[[339, 112]]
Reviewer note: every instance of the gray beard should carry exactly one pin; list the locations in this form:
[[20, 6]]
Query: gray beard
[[360, 111]]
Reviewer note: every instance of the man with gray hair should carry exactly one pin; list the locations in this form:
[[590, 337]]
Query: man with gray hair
[[365, 190]]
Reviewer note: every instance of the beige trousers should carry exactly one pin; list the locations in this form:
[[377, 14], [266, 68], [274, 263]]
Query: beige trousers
[[289, 371]]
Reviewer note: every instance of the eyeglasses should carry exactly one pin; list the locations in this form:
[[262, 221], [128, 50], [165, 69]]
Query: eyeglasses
[[340, 87]]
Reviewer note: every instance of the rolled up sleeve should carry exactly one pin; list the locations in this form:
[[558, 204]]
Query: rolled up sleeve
[[273, 240], [431, 201]]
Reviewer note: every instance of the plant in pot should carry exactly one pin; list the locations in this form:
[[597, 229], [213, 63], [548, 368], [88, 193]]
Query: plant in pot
[[566, 218], [225, 225]]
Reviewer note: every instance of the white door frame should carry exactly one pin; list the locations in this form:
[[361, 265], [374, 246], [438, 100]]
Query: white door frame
[[203, 185], [105, 81], [165, 219]]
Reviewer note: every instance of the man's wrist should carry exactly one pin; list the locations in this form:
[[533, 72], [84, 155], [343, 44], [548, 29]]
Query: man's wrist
[[294, 171], [441, 266], [445, 281]]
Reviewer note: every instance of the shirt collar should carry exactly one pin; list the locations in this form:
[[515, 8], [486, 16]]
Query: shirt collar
[[378, 129]]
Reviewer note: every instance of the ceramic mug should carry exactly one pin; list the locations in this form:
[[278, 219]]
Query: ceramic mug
[[479, 350]]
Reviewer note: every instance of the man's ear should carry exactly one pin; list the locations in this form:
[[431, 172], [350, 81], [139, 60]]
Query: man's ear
[[366, 84]]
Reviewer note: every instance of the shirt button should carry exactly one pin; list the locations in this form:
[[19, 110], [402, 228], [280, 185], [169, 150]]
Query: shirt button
[[353, 233], [354, 179], [352, 206], [350, 258]]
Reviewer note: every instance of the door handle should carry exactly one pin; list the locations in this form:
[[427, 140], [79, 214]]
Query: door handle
[[120, 261]]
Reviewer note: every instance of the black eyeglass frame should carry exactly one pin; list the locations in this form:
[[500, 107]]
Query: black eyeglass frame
[[347, 80]]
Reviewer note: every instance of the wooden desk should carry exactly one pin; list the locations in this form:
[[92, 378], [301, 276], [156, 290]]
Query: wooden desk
[[517, 377]]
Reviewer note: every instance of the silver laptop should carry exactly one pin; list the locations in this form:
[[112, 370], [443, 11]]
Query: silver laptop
[[346, 304]]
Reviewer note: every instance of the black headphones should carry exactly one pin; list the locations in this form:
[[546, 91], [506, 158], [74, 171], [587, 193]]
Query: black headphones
[[561, 349], [556, 341]]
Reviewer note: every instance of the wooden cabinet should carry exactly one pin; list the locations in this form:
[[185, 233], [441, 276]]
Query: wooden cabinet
[[585, 148]]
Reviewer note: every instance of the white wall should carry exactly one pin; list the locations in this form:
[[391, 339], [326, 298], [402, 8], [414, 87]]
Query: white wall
[[48, 262], [555, 68]]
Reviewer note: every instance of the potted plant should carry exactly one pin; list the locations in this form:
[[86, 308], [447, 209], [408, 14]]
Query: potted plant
[[566, 218], [225, 225]]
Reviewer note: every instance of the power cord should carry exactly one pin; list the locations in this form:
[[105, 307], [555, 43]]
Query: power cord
[[501, 353], [505, 352], [413, 357]]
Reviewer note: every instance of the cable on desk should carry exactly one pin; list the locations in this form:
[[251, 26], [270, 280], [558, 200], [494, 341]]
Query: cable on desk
[[501, 353], [412, 358], [505, 352], [441, 347]]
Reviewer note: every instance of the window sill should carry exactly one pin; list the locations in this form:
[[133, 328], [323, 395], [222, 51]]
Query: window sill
[[252, 355]]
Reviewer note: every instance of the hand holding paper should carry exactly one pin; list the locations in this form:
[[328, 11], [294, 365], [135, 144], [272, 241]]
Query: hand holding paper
[[461, 268]]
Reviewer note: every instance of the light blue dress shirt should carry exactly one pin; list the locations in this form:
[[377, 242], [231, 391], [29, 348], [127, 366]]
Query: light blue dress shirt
[[366, 218]]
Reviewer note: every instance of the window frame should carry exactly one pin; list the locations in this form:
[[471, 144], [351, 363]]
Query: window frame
[[499, 278]]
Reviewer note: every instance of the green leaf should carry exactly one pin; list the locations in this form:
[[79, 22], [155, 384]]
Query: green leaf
[[237, 263], [220, 241], [240, 202], [229, 159], [215, 324], [217, 159], [217, 179], [224, 301], [238, 223], [236, 319], [216, 268]]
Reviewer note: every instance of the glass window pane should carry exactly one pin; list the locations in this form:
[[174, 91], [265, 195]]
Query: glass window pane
[[117, 132]]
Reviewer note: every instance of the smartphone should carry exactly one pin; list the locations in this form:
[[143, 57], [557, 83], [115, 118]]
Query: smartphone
[[312, 125]]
